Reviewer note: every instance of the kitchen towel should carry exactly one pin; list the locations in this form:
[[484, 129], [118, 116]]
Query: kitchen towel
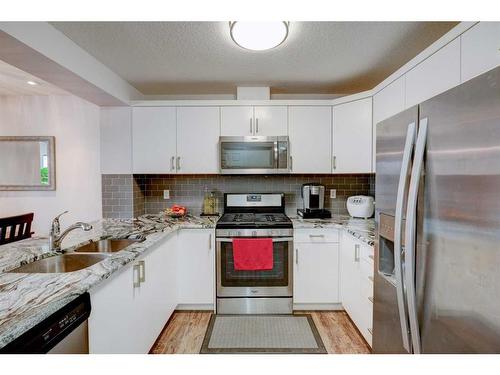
[[253, 254]]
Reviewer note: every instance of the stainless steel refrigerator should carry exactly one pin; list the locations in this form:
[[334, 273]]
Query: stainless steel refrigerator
[[437, 276]]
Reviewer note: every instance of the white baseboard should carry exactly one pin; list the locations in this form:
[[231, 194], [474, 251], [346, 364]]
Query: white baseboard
[[317, 306]]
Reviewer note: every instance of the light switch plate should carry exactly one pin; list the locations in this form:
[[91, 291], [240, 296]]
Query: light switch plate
[[333, 193], [166, 194]]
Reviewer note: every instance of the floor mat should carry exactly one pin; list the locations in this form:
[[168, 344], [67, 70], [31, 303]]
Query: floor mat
[[285, 334]]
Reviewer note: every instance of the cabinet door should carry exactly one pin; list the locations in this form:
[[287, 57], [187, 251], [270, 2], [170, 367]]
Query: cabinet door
[[157, 293], [237, 121], [480, 49], [310, 132], [198, 130], [349, 276], [436, 74], [114, 321], [386, 103], [271, 120], [153, 139], [316, 273], [196, 267], [352, 137]]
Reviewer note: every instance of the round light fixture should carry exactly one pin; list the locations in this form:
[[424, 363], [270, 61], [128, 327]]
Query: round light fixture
[[32, 83], [258, 36]]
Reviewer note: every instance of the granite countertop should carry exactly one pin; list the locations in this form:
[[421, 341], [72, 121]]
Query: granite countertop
[[27, 299], [363, 229]]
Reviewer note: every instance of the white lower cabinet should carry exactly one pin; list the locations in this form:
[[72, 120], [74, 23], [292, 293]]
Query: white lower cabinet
[[356, 264], [130, 309], [316, 267], [196, 268]]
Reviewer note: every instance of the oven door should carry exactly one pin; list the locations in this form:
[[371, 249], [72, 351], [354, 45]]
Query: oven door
[[277, 282], [253, 155]]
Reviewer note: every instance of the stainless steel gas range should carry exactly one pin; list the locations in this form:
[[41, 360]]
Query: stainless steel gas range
[[266, 291]]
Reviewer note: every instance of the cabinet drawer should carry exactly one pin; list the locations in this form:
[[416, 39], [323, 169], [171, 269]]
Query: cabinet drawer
[[316, 235]]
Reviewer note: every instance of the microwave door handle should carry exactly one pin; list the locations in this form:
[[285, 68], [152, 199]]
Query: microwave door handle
[[276, 155], [410, 235], [398, 224]]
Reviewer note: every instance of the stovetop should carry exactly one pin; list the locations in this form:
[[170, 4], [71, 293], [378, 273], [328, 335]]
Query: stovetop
[[251, 220]]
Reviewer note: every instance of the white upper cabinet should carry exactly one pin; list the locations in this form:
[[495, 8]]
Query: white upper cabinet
[[153, 139], [480, 49], [386, 103], [389, 101], [198, 130], [271, 120], [352, 137], [259, 120], [438, 73], [310, 132], [116, 140], [237, 121]]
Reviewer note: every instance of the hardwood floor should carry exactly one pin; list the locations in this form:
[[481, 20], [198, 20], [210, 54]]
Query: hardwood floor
[[185, 332]]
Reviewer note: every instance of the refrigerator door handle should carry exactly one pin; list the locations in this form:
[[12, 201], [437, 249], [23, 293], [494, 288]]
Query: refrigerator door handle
[[398, 269], [410, 235]]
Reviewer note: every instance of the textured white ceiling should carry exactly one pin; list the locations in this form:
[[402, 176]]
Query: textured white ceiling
[[13, 82], [200, 57]]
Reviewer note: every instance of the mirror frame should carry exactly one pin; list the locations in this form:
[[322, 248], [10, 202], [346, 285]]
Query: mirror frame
[[52, 163]]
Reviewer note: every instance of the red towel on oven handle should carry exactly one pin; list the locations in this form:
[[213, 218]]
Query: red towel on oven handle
[[253, 254]]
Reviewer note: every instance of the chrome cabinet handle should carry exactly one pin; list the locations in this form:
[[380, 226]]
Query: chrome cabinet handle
[[334, 162], [296, 256], [411, 213], [137, 276], [316, 235], [172, 161], [256, 125], [210, 241], [178, 163], [356, 253], [251, 127], [142, 271], [291, 163], [398, 269]]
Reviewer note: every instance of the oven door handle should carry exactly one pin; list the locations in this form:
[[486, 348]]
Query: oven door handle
[[229, 239]]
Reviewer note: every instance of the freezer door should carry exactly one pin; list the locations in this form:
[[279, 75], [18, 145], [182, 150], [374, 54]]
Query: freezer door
[[458, 225], [391, 137], [394, 136]]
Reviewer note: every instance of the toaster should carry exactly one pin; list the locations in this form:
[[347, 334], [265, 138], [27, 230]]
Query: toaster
[[360, 206]]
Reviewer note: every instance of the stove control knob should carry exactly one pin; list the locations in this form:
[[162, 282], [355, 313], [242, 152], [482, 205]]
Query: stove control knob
[[238, 233], [254, 233]]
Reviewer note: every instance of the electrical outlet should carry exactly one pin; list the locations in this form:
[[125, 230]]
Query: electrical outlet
[[166, 194], [333, 193]]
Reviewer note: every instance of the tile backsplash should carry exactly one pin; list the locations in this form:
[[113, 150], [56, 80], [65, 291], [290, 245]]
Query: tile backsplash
[[134, 195]]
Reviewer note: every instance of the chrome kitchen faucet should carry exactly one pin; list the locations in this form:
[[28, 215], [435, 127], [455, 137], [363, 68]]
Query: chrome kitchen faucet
[[56, 236]]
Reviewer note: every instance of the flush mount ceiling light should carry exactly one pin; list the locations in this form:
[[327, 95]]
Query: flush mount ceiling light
[[32, 83], [258, 36]]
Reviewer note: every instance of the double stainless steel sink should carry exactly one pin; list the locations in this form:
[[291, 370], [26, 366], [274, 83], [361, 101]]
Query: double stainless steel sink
[[82, 257]]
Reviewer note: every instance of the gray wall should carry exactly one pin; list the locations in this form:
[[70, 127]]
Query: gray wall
[[133, 195]]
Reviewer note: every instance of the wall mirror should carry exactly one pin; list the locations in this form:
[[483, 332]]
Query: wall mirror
[[27, 163]]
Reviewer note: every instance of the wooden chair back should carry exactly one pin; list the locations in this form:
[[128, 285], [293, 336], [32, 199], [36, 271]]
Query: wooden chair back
[[15, 228]]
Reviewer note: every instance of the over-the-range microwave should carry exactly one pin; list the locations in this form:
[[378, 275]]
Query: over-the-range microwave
[[254, 155]]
